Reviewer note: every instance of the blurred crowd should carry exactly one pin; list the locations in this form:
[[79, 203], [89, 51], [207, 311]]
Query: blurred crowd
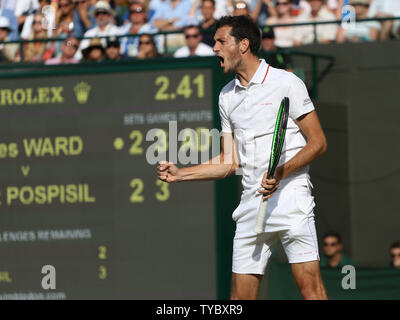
[[120, 29], [332, 255]]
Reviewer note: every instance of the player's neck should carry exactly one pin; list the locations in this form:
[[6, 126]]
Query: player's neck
[[247, 69]]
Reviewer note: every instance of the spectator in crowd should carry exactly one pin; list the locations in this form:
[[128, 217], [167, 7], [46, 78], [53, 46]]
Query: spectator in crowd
[[64, 18], [172, 15], [27, 28], [113, 49], [275, 58], [386, 9], [9, 4], [68, 49], [138, 24], [23, 9], [361, 31], [208, 23], [147, 47], [395, 254], [326, 33], [8, 12], [105, 26], [332, 256], [37, 51], [284, 35], [194, 46], [9, 51], [95, 52], [83, 17]]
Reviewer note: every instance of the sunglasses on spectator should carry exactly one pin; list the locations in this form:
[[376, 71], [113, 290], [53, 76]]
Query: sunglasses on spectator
[[37, 22], [70, 44], [101, 12], [79, 1], [330, 244], [188, 36], [241, 6], [137, 10], [282, 3], [144, 42]]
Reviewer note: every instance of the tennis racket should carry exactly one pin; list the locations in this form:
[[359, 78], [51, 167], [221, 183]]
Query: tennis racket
[[276, 150]]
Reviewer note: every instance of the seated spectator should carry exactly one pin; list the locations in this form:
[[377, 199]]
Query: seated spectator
[[68, 49], [83, 17], [385, 9], [137, 25], [284, 35], [113, 49], [64, 19], [172, 15], [147, 47], [27, 28], [277, 59], [23, 9], [363, 30], [326, 33], [194, 46], [395, 255], [105, 26], [95, 52], [332, 256], [37, 51], [7, 11], [208, 22], [8, 52]]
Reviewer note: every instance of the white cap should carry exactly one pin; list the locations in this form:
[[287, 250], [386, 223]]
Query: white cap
[[4, 23], [103, 6]]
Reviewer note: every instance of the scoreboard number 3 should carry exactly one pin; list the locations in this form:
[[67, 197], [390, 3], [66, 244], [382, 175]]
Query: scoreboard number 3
[[137, 185], [184, 88]]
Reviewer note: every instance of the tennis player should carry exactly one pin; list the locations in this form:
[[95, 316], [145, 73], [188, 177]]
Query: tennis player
[[248, 108]]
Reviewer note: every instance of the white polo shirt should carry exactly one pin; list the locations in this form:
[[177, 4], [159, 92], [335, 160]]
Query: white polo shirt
[[250, 113]]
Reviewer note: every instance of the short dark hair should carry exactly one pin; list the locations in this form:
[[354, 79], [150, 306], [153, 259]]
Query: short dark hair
[[191, 26], [395, 245], [243, 27], [333, 234]]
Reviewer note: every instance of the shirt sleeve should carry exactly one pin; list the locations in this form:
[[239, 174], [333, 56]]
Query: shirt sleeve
[[299, 101], [225, 123]]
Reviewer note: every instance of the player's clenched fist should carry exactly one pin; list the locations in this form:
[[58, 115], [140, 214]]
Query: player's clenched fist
[[167, 172]]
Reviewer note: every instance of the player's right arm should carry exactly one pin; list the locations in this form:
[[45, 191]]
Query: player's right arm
[[223, 165]]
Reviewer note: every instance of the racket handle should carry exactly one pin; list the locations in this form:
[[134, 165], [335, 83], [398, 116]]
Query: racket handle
[[262, 210]]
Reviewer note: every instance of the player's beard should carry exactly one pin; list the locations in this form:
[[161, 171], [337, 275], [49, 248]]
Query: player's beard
[[234, 63]]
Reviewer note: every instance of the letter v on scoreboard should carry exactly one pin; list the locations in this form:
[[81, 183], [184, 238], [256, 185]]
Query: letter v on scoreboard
[[276, 150]]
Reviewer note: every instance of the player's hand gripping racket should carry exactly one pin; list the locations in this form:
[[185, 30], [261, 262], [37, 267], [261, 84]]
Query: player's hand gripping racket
[[276, 149]]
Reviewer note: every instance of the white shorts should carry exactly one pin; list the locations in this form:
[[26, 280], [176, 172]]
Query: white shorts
[[289, 218]]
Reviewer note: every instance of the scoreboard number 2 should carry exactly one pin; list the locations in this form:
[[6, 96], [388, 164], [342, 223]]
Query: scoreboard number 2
[[185, 87], [137, 185]]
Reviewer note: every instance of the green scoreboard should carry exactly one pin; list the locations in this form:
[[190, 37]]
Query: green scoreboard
[[82, 213]]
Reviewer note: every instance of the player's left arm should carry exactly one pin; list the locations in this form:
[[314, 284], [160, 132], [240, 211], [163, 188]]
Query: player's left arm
[[316, 146]]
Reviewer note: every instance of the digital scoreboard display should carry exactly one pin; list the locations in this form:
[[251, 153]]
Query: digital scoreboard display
[[79, 194]]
